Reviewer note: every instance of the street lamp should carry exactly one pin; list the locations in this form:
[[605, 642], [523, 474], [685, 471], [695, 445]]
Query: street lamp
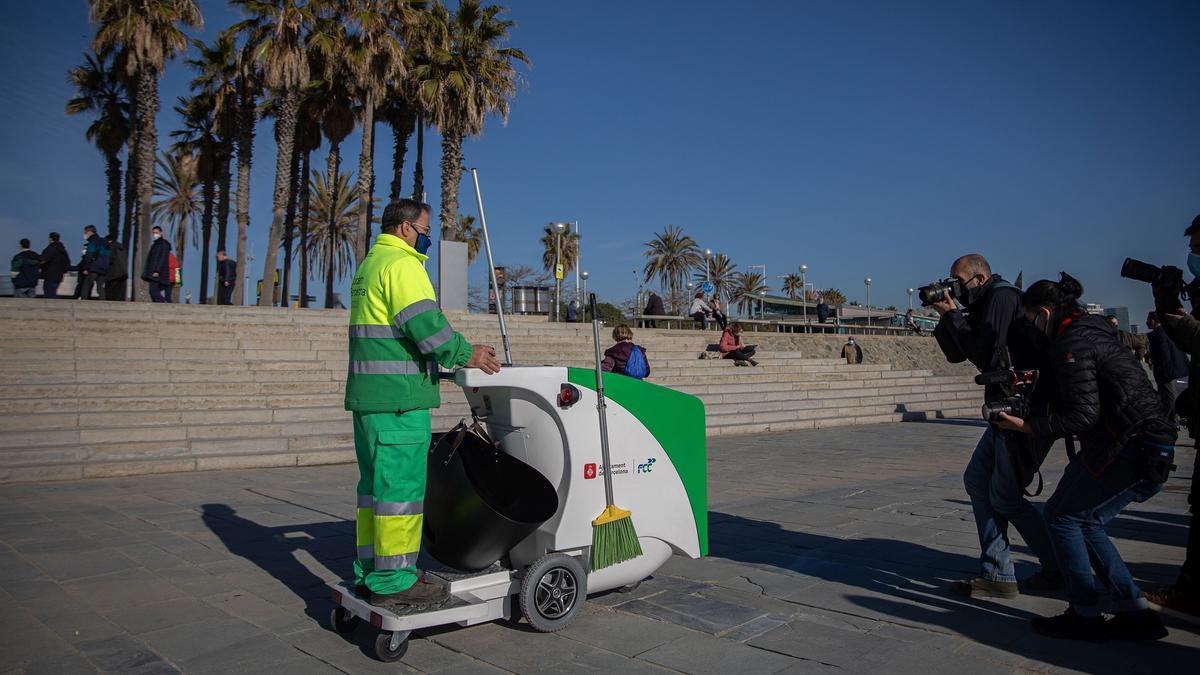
[[910, 292], [762, 300], [558, 228], [867, 281], [707, 253], [804, 294], [638, 280], [584, 302]]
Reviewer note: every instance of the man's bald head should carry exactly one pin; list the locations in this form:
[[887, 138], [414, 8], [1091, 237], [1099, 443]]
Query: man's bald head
[[970, 266]]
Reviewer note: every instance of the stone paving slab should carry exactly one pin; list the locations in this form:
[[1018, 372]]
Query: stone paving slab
[[831, 551]]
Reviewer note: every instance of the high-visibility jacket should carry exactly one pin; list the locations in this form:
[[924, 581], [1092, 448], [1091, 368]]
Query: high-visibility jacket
[[398, 336]]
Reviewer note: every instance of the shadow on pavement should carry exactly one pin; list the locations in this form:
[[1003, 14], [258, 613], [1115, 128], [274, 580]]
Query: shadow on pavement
[[907, 584]]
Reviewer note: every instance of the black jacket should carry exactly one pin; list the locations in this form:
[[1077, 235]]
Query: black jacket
[[654, 306], [226, 270], [55, 262], [25, 264], [157, 260], [1168, 360], [1105, 393], [616, 357]]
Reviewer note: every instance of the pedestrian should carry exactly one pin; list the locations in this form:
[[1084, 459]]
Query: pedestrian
[[1168, 362], [1126, 448], [700, 310], [852, 352], [822, 309], [732, 347], [226, 278], [910, 322], [157, 270], [24, 272], [94, 264], [572, 311], [55, 263], [117, 276], [398, 341], [654, 307], [718, 314], [621, 357]]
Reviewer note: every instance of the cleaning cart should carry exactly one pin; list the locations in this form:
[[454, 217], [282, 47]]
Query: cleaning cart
[[542, 482]]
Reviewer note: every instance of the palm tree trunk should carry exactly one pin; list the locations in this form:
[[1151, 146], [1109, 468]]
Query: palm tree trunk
[[289, 230], [112, 173], [208, 192], [419, 168], [147, 103], [181, 234], [451, 175], [304, 194], [402, 129], [366, 179], [285, 136], [332, 167], [223, 185], [247, 115], [130, 187]]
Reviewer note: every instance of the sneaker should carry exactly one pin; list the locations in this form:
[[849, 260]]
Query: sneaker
[[1071, 626], [1169, 599], [985, 588], [1042, 581], [753, 362], [740, 362], [423, 594], [1138, 625]]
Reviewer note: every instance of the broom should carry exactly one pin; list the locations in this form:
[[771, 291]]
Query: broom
[[613, 537]]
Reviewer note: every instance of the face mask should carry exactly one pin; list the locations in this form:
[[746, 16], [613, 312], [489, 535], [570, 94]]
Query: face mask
[[1194, 264], [974, 293], [423, 243], [156, 236]]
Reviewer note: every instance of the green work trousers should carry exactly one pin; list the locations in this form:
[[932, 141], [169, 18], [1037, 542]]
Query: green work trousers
[[392, 450]]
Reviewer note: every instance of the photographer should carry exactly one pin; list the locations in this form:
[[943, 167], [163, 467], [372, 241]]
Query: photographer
[[1184, 330], [1126, 448], [985, 332]]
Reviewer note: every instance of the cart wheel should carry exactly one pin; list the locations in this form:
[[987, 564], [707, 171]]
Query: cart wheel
[[391, 646], [553, 591], [343, 621]]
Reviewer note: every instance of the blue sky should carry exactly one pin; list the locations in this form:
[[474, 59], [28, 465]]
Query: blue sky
[[860, 138]]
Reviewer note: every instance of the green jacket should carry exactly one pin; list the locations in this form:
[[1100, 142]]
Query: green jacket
[[398, 336]]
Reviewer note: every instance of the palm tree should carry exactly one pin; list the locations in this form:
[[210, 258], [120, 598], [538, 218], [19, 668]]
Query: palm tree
[[833, 297], [399, 114], [331, 250], [793, 285], [150, 32], [177, 186], [671, 255], [747, 290], [199, 138], [278, 30], [100, 89], [720, 273], [469, 234], [550, 256], [464, 76], [308, 139]]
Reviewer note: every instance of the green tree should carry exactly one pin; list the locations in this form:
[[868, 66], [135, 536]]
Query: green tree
[[550, 255], [793, 285], [198, 137], [149, 32], [671, 255], [467, 232], [465, 75], [747, 291], [100, 89], [833, 297], [331, 250], [721, 272], [177, 185]]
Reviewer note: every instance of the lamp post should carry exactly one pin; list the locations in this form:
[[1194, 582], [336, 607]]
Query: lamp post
[[867, 281], [804, 294], [578, 257], [558, 228], [584, 303], [707, 254], [762, 308], [637, 278], [910, 292]]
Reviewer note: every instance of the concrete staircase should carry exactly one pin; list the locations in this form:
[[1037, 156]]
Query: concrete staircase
[[106, 389]]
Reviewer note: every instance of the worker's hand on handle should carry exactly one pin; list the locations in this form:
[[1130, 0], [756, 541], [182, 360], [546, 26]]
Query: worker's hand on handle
[[484, 358]]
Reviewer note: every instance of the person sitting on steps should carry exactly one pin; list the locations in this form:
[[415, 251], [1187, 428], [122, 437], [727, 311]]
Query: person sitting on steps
[[616, 357], [852, 352], [733, 348], [700, 311], [718, 315]]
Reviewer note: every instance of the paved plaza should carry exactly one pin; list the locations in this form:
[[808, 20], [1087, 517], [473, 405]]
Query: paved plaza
[[830, 551]]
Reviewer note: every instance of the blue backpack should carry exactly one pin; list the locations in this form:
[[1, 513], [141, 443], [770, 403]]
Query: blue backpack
[[636, 366]]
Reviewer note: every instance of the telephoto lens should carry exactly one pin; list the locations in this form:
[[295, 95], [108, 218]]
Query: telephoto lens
[[1140, 271]]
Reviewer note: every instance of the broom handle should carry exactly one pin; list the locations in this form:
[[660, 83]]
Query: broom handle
[[487, 246], [600, 404]]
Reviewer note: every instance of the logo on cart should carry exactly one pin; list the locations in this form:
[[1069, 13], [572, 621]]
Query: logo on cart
[[647, 467], [589, 471]]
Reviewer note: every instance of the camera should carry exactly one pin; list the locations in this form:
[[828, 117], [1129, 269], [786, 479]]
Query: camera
[[1015, 388], [937, 290], [1168, 279]]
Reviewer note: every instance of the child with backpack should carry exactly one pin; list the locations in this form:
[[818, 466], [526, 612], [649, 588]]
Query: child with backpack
[[625, 357]]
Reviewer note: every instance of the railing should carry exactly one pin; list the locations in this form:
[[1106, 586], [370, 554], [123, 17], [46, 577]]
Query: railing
[[779, 326]]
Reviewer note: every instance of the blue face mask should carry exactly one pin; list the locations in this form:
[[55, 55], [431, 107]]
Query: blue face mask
[[423, 243], [1194, 264]]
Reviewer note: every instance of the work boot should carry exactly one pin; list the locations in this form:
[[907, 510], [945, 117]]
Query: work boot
[[1138, 625], [421, 595], [1042, 582], [980, 587], [1071, 626]]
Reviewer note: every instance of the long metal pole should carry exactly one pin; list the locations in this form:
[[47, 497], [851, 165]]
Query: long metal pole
[[868, 304], [578, 256], [804, 299], [487, 246], [557, 277]]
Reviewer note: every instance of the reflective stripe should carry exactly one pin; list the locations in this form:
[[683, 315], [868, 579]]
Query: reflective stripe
[[399, 508], [436, 340], [369, 331], [385, 368], [366, 501], [395, 562], [366, 552], [418, 307]]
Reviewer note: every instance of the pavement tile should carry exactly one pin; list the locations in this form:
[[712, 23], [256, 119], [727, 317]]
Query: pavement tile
[[124, 655], [189, 641], [150, 616], [694, 611], [619, 631], [510, 647], [706, 654], [821, 643]]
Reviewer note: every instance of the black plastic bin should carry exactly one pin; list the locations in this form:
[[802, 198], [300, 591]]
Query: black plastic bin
[[480, 502]]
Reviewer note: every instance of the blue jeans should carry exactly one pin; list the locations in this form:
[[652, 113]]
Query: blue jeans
[[997, 499], [1077, 512]]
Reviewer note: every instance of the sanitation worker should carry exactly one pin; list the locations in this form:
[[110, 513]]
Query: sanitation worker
[[398, 338]]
